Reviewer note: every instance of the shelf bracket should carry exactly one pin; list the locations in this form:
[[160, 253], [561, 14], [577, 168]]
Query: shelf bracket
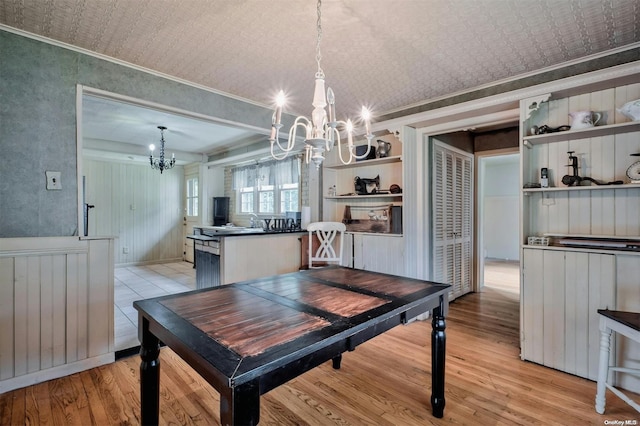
[[532, 104]]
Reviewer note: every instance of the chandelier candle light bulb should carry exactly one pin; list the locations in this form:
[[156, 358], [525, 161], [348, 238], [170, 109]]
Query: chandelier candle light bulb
[[331, 98], [321, 131]]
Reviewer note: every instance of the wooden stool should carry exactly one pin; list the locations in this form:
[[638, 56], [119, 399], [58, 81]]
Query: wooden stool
[[627, 324]]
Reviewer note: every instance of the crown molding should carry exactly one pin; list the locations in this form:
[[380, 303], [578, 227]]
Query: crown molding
[[87, 52], [624, 74]]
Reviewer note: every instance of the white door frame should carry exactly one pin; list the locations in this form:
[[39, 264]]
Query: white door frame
[[479, 210], [191, 171]]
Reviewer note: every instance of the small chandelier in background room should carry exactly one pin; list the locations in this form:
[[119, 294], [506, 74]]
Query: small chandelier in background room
[[160, 163], [321, 131]]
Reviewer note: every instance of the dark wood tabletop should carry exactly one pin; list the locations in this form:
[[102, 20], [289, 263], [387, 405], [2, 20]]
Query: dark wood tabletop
[[248, 338]]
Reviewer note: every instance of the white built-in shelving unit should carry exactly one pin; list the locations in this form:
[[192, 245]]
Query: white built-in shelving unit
[[563, 286], [382, 252]]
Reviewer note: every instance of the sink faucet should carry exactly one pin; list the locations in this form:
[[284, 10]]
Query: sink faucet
[[254, 220]]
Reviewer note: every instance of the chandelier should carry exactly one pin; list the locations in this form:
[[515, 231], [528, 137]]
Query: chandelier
[[321, 131], [160, 163]]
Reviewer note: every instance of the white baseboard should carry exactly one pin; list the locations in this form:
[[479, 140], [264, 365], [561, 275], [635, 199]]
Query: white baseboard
[[55, 372], [150, 262]]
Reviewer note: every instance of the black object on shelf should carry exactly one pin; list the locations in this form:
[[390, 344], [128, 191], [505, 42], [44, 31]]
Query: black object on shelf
[[532, 185], [574, 179], [361, 149], [220, 211]]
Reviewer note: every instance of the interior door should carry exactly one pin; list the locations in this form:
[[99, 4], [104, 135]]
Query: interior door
[[452, 204], [192, 212]]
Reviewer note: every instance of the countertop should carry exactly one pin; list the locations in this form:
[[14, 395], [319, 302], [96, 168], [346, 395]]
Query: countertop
[[216, 232]]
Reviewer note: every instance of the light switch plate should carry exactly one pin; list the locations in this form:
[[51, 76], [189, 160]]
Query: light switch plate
[[53, 180]]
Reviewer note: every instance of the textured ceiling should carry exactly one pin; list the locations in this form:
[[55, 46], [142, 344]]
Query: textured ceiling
[[386, 54]]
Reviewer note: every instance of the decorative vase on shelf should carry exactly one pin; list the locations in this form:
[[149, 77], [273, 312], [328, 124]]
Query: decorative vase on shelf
[[584, 119], [384, 148], [631, 110]]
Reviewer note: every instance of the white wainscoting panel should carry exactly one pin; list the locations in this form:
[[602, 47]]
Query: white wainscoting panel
[[56, 307], [141, 207]]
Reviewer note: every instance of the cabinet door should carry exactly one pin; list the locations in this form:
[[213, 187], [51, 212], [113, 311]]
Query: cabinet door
[[532, 305], [561, 293], [378, 253], [452, 195]]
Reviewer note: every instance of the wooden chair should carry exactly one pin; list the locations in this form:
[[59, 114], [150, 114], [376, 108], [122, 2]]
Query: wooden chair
[[626, 324], [327, 252]]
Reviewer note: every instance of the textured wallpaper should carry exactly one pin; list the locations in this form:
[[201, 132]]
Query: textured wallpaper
[[38, 126]]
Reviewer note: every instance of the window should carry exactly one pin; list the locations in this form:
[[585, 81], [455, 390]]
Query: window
[[289, 197], [268, 188], [192, 197]]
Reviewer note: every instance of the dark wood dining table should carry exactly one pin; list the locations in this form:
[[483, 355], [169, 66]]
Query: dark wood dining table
[[247, 338]]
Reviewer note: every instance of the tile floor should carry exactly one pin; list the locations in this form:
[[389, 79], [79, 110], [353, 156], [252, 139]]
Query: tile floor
[[142, 282]]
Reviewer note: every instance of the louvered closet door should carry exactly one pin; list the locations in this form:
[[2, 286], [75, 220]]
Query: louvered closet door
[[452, 198]]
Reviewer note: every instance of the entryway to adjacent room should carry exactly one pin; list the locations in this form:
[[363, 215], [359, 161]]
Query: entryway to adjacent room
[[497, 211]]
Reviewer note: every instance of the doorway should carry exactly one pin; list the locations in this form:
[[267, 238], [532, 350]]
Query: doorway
[[192, 208], [498, 251]]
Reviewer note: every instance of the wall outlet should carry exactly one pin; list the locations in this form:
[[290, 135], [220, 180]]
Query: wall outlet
[[125, 250], [53, 180]]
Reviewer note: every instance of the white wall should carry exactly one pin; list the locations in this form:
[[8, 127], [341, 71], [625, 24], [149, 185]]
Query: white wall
[[139, 206], [500, 190]]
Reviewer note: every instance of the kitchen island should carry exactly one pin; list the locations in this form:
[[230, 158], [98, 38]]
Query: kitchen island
[[224, 255]]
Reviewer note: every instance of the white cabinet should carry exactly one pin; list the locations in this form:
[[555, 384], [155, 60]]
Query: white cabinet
[[603, 153], [563, 285], [381, 251], [339, 188], [561, 293], [378, 253]]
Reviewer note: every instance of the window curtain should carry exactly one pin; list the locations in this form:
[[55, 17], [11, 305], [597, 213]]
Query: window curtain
[[268, 173]]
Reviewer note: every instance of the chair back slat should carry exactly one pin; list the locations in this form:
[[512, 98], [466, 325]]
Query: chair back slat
[[326, 232]]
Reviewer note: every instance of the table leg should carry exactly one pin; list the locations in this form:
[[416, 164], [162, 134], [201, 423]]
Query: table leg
[[336, 362], [240, 405], [603, 366], [149, 375], [438, 340]]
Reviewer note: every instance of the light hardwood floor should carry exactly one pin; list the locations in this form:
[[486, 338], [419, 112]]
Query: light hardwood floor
[[502, 275], [385, 381]]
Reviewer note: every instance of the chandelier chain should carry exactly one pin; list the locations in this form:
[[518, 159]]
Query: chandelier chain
[[320, 73]]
